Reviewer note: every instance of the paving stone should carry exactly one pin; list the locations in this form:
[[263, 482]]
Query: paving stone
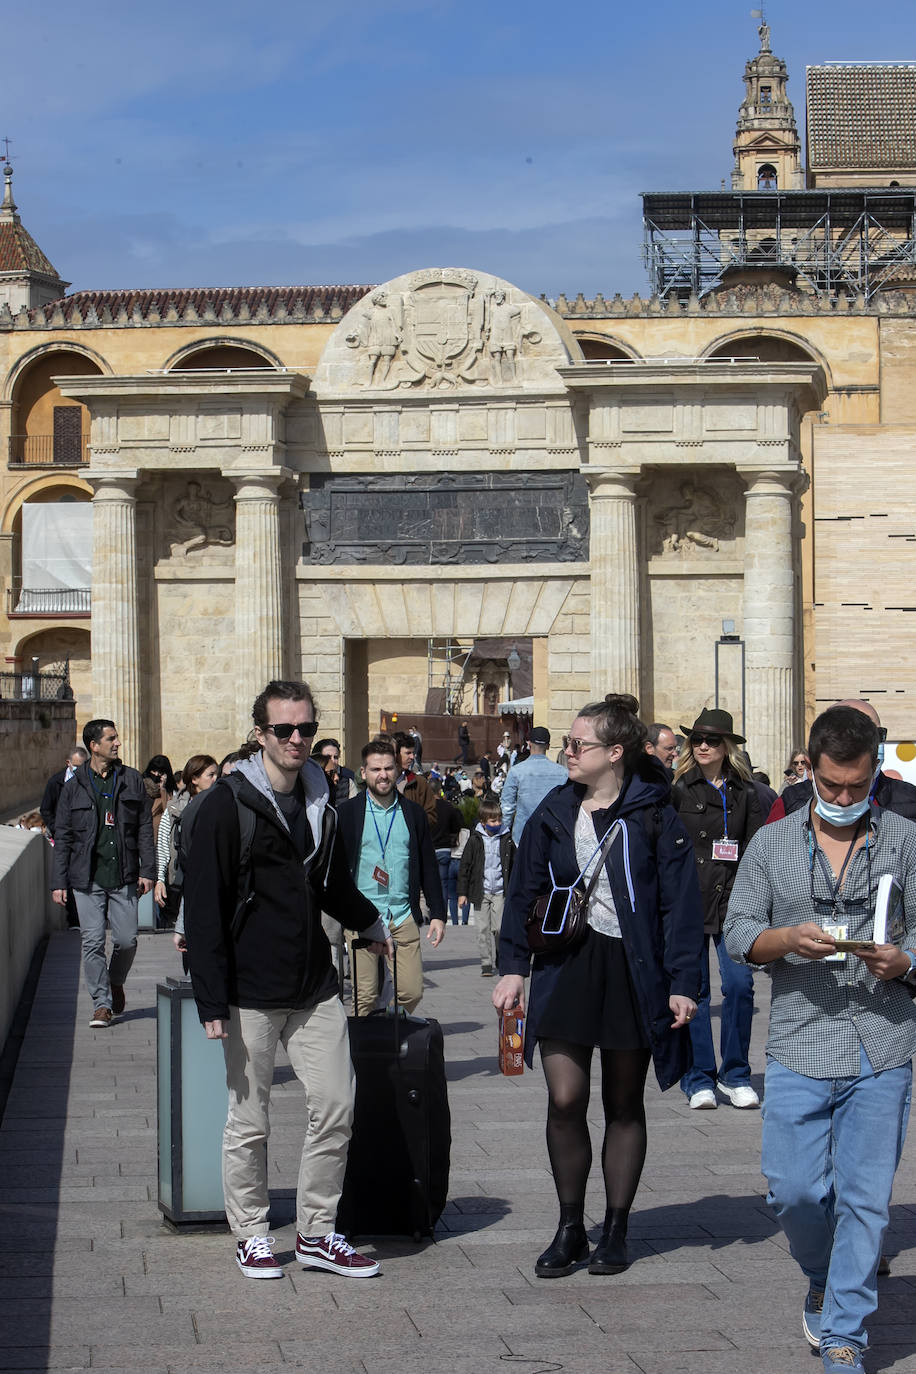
[[98, 1277]]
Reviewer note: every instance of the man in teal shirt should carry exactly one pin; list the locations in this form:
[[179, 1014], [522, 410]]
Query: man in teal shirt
[[390, 853]]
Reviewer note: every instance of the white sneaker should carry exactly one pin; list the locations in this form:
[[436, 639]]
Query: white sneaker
[[741, 1096], [703, 1101]]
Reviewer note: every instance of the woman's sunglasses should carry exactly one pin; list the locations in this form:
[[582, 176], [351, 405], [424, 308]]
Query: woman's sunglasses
[[712, 740]]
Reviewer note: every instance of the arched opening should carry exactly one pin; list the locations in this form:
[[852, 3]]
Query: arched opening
[[596, 350], [766, 177], [224, 357], [767, 347], [47, 428], [52, 555], [56, 646]]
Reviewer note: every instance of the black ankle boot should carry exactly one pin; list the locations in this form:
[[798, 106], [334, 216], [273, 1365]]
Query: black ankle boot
[[610, 1255], [568, 1247]]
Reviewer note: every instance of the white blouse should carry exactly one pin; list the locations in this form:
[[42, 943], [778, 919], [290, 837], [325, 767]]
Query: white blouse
[[602, 913]]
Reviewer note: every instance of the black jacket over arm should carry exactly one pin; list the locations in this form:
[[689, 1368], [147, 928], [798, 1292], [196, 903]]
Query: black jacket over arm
[[277, 955], [424, 868]]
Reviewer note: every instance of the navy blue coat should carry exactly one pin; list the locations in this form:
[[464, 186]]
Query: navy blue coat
[[662, 926]]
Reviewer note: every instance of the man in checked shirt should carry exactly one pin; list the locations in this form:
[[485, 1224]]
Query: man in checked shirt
[[842, 1024]]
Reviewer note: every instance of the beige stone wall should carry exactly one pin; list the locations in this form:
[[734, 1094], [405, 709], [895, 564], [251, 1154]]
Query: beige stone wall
[[195, 631], [865, 579], [397, 678]]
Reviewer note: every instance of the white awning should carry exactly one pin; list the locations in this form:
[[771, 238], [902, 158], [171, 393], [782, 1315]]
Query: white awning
[[521, 706]]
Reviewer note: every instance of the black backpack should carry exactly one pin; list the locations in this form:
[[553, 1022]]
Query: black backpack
[[246, 839]]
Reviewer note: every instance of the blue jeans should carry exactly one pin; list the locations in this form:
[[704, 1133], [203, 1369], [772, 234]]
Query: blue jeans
[[117, 906], [735, 1034], [830, 1148], [448, 877]]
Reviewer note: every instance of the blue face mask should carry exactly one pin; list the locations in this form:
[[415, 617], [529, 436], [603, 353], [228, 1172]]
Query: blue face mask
[[494, 827], [839, 815]]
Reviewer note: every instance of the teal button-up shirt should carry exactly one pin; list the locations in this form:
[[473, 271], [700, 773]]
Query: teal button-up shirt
[[385, 845]]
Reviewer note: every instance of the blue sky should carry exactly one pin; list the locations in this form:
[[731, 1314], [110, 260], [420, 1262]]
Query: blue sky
[[215, 144]]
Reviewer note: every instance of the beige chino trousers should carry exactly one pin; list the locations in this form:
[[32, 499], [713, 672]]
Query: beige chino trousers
[[318, 1047]]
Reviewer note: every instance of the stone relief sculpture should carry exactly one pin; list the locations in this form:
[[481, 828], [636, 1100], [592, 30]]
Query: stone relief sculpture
[[698, 520], [194, 514], [446, 329]]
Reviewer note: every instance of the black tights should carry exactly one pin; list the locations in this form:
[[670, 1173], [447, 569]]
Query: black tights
[[623, 1080]]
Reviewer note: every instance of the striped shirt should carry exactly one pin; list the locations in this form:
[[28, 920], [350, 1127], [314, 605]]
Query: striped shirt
[[822, 1012]]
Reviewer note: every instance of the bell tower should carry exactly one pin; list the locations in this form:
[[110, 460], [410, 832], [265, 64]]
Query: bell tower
[[767, 148]]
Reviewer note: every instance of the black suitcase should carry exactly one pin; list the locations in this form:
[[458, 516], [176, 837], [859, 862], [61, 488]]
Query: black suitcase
[[397, 1169]]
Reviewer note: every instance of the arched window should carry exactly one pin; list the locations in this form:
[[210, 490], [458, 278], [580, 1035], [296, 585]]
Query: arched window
[[766, 177]]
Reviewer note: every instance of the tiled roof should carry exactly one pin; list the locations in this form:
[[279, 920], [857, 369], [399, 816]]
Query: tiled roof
[[862, 116], [208, 301], [20, 253]]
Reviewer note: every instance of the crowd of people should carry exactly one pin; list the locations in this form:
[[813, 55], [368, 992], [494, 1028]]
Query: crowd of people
[[599, 887]]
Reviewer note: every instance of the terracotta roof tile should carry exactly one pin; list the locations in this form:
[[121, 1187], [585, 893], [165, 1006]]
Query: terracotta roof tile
[[215, 297], [862, 116], [20, 253]]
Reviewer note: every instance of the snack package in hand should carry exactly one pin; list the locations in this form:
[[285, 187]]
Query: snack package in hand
[[511, 1042]]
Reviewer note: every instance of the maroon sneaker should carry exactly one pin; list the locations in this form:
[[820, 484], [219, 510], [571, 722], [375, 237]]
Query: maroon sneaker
[[101, 1017], [332, 1252], [255, 1258], [118, 1000]]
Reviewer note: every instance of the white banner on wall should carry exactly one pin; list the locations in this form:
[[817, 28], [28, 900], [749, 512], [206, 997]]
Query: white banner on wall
[[56, 556]]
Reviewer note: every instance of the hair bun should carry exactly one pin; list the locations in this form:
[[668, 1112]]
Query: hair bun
[[622, 701]]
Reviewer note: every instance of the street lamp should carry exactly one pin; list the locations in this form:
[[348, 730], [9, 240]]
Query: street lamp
[[729, 636]]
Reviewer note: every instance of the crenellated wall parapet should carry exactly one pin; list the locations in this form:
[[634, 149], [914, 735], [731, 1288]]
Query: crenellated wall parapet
[[742, 300]]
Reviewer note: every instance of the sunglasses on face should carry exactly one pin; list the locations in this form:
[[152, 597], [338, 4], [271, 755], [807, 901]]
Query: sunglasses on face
[[307, 730], [713, 741], [575, 746]]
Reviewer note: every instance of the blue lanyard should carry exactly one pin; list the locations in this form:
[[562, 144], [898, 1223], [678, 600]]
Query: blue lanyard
[[835, 886], [100, 785], [721, 792], [383, 845]]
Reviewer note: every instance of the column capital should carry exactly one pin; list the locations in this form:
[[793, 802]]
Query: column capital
[[773, 481], [615, 483], [257, 484], [115, 484]]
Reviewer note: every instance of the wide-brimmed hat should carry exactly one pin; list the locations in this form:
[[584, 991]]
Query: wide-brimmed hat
[[714, 722]]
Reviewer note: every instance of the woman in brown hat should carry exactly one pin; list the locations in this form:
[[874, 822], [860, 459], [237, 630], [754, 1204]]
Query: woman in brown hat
[[715, 797]]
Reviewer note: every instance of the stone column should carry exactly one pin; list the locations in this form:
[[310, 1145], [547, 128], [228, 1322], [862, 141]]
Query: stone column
[[259, 621], [769, 618], [116, 657], [614, 583]]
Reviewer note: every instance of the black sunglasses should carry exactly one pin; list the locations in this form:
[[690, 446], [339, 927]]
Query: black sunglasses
[[307, 730], [712, 740]]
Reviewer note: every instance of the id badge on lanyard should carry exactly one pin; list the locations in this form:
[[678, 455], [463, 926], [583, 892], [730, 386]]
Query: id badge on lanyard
[[725, 850]]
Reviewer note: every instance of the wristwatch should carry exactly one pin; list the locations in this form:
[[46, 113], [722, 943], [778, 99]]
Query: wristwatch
[[910, 976]]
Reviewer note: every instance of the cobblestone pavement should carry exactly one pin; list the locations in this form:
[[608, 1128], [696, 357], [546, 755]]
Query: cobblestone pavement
[[94, 1280]]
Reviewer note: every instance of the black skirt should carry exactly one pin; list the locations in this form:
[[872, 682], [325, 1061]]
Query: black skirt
[[593, 1001]]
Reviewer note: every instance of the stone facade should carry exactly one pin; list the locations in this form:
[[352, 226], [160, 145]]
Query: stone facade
[[320, 480]]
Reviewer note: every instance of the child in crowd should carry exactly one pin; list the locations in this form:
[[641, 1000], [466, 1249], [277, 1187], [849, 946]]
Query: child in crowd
[[483, 876]]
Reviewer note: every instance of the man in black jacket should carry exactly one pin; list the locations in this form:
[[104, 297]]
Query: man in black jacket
[[55, 784], [390, 852], [263, 862], [892, 793], [104, 855]]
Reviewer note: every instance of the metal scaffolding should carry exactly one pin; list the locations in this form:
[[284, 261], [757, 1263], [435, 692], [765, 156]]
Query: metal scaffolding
[[446, 665], [839, 241]]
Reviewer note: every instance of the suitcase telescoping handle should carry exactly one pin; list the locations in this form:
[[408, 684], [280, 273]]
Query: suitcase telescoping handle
[[360, 943]]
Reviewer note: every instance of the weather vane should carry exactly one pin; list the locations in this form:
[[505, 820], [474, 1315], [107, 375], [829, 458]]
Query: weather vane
[[763, 29], [6, 150]]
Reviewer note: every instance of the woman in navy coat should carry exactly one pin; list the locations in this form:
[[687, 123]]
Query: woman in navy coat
[[629, 990]]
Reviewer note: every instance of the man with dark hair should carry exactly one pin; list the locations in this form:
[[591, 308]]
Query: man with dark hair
[[390, 852], [893, 793], [327, 752], [104, 855], [263, 862], [410, 783], [842, 1022], [662, 743]]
